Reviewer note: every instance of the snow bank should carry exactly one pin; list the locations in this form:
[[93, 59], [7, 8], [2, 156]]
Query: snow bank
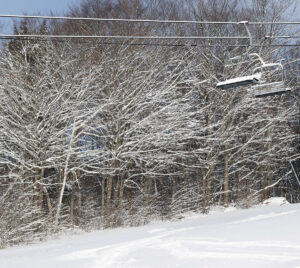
[[264, 236], [275, 201]]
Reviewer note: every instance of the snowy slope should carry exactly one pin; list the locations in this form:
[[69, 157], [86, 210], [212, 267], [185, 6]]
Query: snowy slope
[[265, 236]]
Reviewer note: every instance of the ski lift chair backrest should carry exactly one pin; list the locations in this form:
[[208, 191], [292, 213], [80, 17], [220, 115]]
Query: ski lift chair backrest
[[270, 87]]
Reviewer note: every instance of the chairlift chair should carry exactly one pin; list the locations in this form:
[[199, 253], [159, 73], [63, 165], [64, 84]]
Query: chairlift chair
[[270, 88], [244, 58], [260, 82]]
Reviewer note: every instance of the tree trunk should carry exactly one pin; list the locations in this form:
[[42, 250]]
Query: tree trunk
[[226, 179], [79, 201], [117, 189], [49, 204], [63, 186], [121, 194], [103, 197], [72, 205], [41, 194], [61, 194], [108, 201]]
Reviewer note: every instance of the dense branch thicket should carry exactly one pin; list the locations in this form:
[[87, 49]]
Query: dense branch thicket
[[101, 136]]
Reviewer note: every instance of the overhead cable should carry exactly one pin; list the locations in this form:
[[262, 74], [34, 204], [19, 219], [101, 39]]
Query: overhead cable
[[145, 44], [143, 20], [40, 36]]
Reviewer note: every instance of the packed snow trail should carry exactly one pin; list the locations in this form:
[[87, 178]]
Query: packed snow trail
[[265, 236]]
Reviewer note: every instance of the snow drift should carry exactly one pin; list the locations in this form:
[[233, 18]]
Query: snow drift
[[264, 236]]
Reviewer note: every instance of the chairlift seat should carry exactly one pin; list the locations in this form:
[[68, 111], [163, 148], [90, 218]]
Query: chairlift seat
[[270, 89], [240, 81], [270, 86], [270, 92]]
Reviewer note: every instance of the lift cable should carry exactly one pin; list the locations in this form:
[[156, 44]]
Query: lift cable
[[40, 36], [143, 20]]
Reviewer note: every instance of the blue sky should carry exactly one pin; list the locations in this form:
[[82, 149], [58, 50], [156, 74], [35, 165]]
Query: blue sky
[[33, 6], [44, 6]]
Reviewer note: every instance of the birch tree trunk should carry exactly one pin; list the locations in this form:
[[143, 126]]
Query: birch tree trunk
[[64, 181]]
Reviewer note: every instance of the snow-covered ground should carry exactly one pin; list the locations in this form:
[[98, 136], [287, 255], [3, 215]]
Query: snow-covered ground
[[264, 236]]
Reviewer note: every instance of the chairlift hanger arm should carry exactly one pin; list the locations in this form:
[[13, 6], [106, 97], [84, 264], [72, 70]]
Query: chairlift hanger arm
[[259, 58], [246, 23]]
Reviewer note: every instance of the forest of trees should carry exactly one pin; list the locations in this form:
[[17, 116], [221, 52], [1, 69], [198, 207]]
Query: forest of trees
[[105, 133]]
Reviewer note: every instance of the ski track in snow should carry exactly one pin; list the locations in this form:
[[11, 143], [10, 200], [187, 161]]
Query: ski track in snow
[[260, 237], [262, 217]]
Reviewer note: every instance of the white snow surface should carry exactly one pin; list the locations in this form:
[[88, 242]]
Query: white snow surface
[[265, 236]]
